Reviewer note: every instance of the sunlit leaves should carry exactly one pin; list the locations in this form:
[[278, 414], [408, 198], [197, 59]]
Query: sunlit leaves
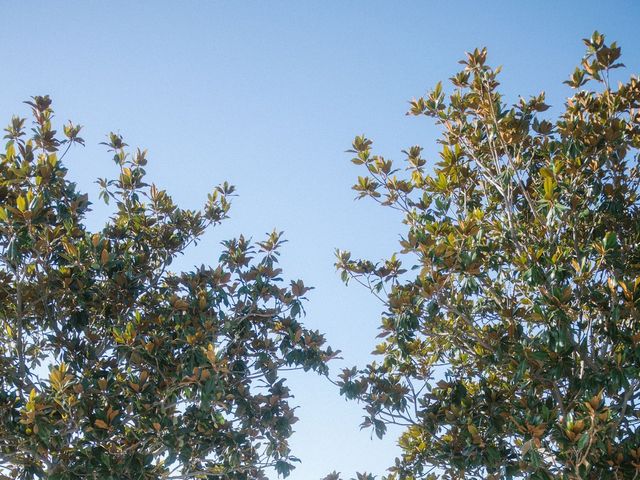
[[510, 346], [114, 365]]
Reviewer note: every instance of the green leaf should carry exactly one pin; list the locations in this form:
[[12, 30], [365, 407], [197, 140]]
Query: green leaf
[[584, 441], [610, 241]]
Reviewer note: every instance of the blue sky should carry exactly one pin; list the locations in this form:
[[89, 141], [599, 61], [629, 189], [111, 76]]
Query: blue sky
[[269, 95]]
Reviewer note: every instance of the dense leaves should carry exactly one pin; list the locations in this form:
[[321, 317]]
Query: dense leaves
[[111, 365], [511, 346]]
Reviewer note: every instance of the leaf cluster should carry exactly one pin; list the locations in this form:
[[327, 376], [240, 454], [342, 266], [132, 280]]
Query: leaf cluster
[[509, 343], [112, 365]]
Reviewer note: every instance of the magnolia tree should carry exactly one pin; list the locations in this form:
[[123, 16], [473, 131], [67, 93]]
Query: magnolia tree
[[511, 337], [111, 365]]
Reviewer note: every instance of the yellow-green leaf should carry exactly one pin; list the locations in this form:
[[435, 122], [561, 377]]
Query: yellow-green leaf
[[21, 203]]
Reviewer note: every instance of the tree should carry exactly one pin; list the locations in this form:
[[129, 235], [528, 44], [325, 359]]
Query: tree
[[511, 344], [111, 365]]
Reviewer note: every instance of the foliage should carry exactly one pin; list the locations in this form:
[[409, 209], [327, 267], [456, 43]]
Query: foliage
[[359, 476], [511, 346], [111, 365]]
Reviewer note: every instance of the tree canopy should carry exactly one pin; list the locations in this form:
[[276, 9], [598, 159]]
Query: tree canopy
[[511, 333], [112, 366], [509, 342]]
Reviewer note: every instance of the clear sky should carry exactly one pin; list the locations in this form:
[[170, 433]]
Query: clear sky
[[269, 95]]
